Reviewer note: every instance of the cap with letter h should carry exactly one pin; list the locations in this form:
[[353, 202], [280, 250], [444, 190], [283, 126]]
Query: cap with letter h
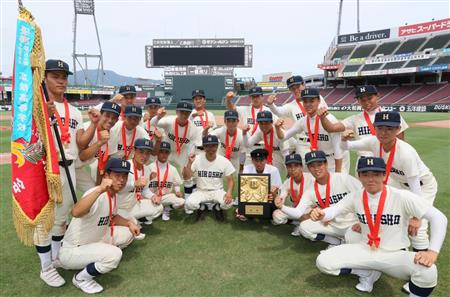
[[210, 139], [255, 91], [184, 106], [118, 165], [133, 111], [231, 114], [152, 101], [143, 143], [371, 164], [164, 146], [264, 116], [127, 90], [387, 118], [315, 156], [365, 90], [294, 80], [198, 92], [259, 154], [310, 93], [111, 107], [57, 65], [293, 159]]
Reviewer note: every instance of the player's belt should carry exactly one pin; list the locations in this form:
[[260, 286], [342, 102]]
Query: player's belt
[[406, 184], [303, 139], [68, 163], [329, 155], [210, 190]]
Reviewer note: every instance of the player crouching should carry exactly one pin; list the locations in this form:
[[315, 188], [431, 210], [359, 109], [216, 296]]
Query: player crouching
[[164, 179], [384, 214], [96, 233], [209, 170]]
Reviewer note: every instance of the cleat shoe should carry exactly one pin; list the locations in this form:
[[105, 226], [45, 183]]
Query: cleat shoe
[[296, 231], [141, 236], [218, 214], [166, 214], [405, 288], [52, 278], [366, 282], [87, 286]]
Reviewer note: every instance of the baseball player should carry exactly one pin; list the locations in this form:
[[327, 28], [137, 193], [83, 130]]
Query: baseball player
[[319, 138], [135, 200], [275, 147], [210, 170], [125, 97], [360, 125], [294, 110], [128, 131], [97, 233], [383, 212], [69, 123], [200, 116], [91, 163], [329, 188], [298, 183], [259, 166], [164, 180], [184, 137], [152, 104], [405, 169]]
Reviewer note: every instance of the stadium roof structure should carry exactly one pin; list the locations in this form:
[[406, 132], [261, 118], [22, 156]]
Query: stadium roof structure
[[409, 49]]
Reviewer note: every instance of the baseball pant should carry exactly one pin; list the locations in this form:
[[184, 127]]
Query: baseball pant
[[122, 237], [142, 208], [84, 178], [280, 218], [201, 196], [398, 264], [172, 200], [310, 230], [63, 209], [105, 256]]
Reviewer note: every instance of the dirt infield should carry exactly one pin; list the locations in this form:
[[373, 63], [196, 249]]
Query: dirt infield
[[434, 124]]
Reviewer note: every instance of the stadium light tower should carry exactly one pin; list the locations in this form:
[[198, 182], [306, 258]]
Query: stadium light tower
[[340, 17], [86, 7]]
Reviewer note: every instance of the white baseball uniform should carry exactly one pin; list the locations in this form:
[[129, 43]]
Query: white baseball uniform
[[326, 142], [238, 148], [209, 177], [407, 172], [391, 257], [204, 120], [130, 137], [341, 185], [279, 217], [166, 187], [88, 238], [135, 204]]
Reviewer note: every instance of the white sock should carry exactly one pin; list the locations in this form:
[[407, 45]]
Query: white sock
[[332, 240], [361, 272], [56, 245], [46, 260], [84, 275]]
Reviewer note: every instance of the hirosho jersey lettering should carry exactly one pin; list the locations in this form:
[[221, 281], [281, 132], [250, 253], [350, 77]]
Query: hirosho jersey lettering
[[180, 139], [334, 198], [211, 174], [103, 221], [120, 147], [234, 149], [322, 137], [399, 172], [154, 184], [299, 115], [363, 130], [386, 219], [73, 124]]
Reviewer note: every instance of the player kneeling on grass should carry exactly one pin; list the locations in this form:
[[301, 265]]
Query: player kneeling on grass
[[164, 179], [384, 213], [329, 188], [96, 234], [135, 201], [209, 170], [297, 183]]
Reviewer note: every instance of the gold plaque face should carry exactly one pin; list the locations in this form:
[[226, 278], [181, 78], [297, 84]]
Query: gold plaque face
[[254, 188], [254, 210]]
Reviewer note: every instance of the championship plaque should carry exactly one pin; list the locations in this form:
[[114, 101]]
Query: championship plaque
[[253, 195]]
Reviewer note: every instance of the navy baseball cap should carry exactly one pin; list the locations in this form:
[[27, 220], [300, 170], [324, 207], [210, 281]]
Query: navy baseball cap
[[133, 111], [164, 146], [264, 116], [143, 143], [387, 118], [259, 154], [294, 80], [127, 90], [210, 139], [310, 93], [371, 164], [231, 114], [111, 107], [57, 65], [184, 106], [198, 93], [294, 158], [365, 90], [255, 91], [152, 101], [315, 156], [118, 165]]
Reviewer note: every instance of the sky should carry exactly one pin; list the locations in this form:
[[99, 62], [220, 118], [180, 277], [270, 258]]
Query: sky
[[287, 35]]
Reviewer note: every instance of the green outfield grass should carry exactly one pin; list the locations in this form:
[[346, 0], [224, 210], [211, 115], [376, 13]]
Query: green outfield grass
[[183, 258]]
